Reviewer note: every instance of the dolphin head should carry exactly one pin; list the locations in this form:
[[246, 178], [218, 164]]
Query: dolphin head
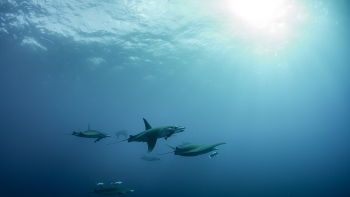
[[174, 129], [168, 131]]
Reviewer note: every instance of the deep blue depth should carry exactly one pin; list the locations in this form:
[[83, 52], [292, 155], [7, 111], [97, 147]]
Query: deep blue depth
[[285, 114]]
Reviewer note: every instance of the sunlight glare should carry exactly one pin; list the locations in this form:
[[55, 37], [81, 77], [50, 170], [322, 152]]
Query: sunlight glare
[[258, 13]]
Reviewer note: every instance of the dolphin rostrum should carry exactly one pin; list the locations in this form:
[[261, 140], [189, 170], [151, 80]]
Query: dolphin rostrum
[[91, 134], [194, 149], [150, 135]]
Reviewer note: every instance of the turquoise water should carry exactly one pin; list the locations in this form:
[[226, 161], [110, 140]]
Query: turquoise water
[[271, 79]]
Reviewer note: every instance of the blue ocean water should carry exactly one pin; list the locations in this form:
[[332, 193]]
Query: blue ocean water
[[270, 80]]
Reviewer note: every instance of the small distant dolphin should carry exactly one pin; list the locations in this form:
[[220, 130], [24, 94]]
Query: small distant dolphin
[[150, 158], [194, 149], [123, 133], [213, 154], [116, 183], [99, 184], [150, 135], [112, 190], [91, 134]]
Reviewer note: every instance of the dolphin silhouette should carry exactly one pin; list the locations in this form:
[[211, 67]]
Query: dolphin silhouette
[[151, 134], [123, 133], [150, 158], [112, 190], [194, 149], [91, 134]]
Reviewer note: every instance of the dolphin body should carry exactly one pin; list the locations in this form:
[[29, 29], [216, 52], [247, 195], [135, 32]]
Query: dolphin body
[[91, 134], [112, 190], [150, 135], [117, 182], [123, 133], [183, 144], [213, 154], [146, 158], [195, 149]]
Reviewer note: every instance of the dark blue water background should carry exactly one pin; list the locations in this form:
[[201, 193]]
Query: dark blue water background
[[282, 107]]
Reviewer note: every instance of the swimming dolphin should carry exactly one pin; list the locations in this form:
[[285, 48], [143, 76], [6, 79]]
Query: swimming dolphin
[[194, 149], [115, 183], [213, 154], [122, 132], [91, 134], [150, 135], [183, 144], [99, 183], [112, 190], [149, 158]]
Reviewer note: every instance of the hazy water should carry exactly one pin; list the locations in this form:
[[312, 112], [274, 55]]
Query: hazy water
[[277, 94]]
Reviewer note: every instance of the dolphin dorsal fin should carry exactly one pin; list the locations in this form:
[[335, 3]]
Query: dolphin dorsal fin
[[89, 127], [147, 125]]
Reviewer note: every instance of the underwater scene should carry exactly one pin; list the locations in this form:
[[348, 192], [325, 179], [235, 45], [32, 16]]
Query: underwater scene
[[175, 98]]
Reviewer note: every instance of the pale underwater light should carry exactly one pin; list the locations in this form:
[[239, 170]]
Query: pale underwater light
[[258, 13]]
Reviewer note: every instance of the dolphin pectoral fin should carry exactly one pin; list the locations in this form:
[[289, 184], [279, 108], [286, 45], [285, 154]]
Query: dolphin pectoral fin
[[98, 139], [147, 125], [151, 141], [89, 127]]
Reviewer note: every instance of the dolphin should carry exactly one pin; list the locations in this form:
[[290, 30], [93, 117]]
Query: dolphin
[[213, 154], [91, 134], [123, 133], [146, 158], [183, 144], [194, 149], [112, 190], [150, 135], [115, 183]]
